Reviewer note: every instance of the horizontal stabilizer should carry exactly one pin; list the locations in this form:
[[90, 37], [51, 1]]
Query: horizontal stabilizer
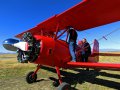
[[106, 54]]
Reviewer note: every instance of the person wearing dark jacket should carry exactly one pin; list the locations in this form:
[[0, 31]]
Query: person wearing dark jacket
[[86, 51], [72, 42]]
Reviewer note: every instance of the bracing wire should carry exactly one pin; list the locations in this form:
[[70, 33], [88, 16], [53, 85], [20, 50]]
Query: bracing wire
[[104, 37]]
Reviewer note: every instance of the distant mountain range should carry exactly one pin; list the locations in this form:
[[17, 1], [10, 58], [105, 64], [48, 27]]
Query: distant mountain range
[[101, 50], [109, 50], [7, 52]]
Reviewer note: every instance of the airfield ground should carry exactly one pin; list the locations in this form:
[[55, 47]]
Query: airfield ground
[[12, 76]]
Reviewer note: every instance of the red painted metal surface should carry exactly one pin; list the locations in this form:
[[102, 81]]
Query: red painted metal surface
[[94, 57], [59, 75], [56, 53], [38, 67], [52, 52], [85, 15], [93, 65]]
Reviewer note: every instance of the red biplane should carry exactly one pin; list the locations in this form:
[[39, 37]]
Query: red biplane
[[41, 45]]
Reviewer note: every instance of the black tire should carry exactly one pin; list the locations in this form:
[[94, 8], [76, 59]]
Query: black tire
[[55, 83], [29, 78], [64, 86]]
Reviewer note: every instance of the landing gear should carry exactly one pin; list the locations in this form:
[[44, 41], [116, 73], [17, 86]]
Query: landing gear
[[32, 76], [63, 85], [59, 75], [55, 83]]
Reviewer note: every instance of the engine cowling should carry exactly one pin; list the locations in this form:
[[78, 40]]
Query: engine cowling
[[28, 48], [33, 49]]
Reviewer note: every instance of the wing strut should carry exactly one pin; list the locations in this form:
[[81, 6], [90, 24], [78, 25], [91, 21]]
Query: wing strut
[[61, 34], [57, 28]]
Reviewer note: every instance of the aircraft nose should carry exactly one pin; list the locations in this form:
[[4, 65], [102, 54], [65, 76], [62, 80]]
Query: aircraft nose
[[8, 44]]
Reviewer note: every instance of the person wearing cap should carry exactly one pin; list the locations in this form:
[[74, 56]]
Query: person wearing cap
[[72, 37]]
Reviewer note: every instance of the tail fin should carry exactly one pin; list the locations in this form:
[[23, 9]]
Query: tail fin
[[95, 52], [95, 47]]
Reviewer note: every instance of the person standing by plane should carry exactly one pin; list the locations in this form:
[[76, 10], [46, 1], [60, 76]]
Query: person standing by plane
[[87, 51], [72, 37]]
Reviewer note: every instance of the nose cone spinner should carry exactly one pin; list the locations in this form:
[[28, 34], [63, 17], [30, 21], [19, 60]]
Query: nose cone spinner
[[9, 44]]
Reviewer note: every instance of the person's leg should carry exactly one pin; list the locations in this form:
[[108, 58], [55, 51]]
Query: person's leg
[[86, 60], [83, 57], [72, 50]]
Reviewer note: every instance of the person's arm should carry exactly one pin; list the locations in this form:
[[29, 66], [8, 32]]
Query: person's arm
[[87, 47]]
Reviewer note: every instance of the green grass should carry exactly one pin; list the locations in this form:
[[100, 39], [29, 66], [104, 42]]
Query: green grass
[[12, 76]]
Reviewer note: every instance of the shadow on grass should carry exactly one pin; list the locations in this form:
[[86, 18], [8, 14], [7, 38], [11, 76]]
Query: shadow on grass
[[86, 76], [39, 80]]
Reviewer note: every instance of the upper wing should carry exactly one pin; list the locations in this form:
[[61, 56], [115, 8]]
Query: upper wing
[[87, 14]]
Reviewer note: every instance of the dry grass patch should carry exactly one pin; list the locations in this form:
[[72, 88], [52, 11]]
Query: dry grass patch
[[12, 76]]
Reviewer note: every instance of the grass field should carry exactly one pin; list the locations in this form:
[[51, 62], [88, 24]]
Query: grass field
[[12, 76]]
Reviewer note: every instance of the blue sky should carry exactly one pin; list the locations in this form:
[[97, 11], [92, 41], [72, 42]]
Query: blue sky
[[17, 16]]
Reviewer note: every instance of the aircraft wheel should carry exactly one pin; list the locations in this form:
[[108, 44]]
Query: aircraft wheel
[[64, 86], [55, 83], [31, 79]]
